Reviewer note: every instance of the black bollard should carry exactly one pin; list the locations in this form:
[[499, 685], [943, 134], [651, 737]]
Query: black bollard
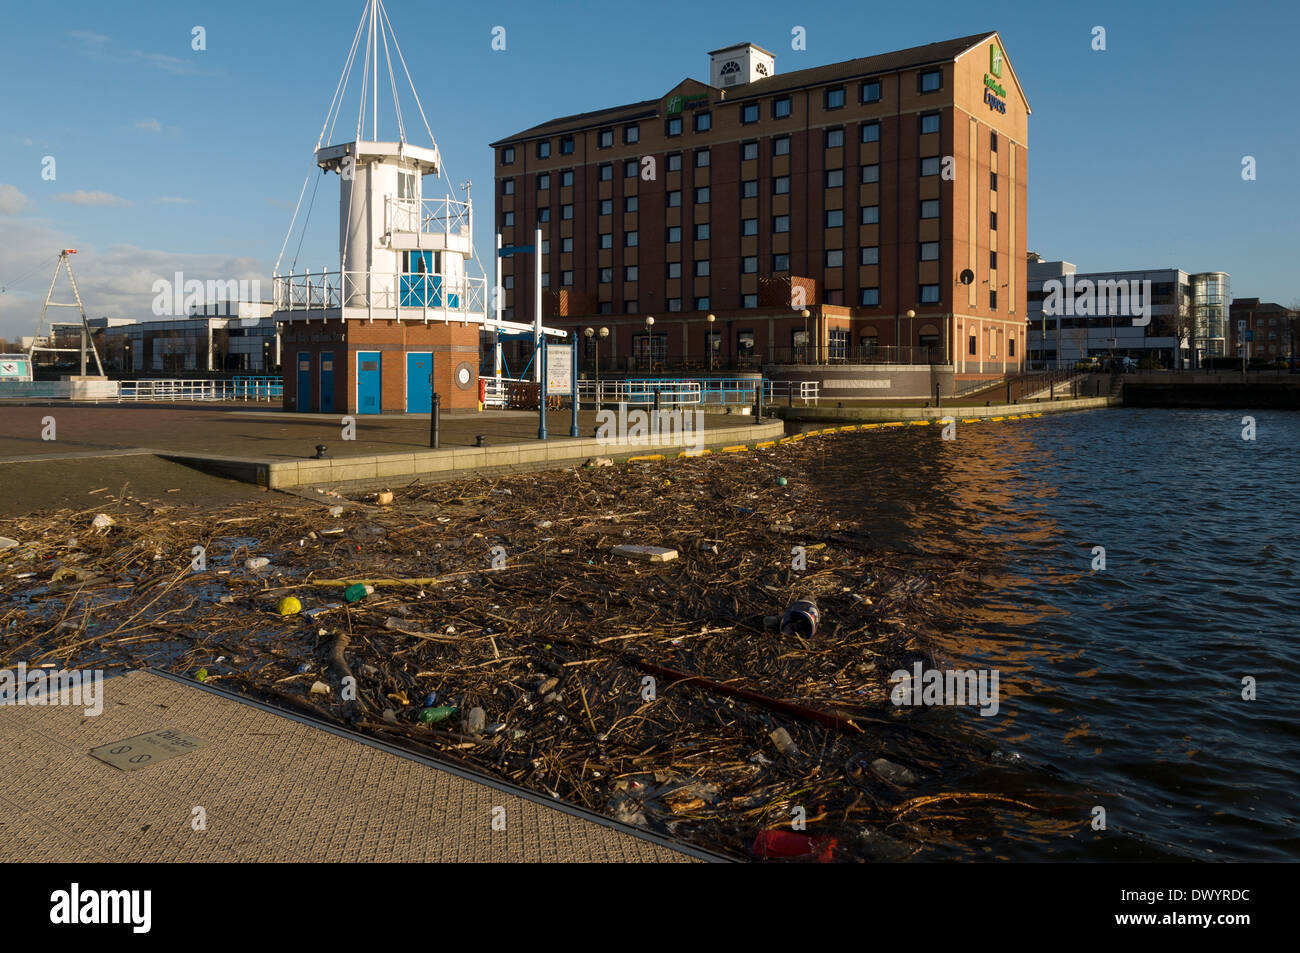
[[435, 422]]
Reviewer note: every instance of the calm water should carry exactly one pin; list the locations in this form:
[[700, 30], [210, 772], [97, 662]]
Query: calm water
[[1120, 688]]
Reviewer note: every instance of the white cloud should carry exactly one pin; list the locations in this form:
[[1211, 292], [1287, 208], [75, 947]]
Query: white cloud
[[12, 201], [89, 38], [149, 125], [174, 200], [82, 197]]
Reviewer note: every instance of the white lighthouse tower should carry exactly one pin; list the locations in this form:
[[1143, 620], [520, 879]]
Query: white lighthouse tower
[[400, 315]]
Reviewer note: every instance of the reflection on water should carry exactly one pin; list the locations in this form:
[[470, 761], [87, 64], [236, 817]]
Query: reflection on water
[[1120, 688]]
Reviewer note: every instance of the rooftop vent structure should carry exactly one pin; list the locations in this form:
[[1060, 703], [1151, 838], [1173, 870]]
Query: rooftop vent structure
[[740, 64]]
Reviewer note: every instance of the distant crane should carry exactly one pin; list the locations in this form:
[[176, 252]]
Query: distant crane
[[86, 338]]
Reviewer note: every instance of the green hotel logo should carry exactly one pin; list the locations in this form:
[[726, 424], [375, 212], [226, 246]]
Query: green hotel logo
[[674, 105], [995, 60]]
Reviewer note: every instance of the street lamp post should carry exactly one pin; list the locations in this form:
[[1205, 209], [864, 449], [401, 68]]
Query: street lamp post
[[650, 340], [910, 315], [709, 343], [806, 314]]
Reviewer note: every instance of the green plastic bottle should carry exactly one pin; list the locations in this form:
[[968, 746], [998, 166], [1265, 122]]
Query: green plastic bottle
[[432, 716], [357, 591]]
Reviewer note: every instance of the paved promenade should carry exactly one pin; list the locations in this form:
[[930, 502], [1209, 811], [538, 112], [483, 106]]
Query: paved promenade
[[265, 787]]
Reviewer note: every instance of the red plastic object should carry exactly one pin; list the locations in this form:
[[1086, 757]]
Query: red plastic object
[[785, 845]]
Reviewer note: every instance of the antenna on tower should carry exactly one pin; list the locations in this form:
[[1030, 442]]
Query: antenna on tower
[[86, 337]]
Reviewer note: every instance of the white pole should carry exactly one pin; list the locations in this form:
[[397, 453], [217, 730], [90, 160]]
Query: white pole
[[537, 303], [374, 95], [499, 293]]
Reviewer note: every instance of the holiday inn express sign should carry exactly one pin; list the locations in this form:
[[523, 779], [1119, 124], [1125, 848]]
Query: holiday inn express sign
[[997, 101]]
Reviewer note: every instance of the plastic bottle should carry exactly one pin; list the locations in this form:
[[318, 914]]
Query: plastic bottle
[[357, 591], [801, 619], [432, 716]]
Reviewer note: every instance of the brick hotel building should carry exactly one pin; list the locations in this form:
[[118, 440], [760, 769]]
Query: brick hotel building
[[856, 192]]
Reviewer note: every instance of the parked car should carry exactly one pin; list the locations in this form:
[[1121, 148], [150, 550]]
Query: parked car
[[1088, 364]]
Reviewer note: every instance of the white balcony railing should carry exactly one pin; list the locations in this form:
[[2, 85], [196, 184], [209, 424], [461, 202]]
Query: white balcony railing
[[461, 296], [429, 216]]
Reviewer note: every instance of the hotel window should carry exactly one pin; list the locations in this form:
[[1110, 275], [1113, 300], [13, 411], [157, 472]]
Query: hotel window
[[870, 173], [870, 132], [929, 294], [834, 178], [507, 186], [566, 212], [546, 246], [993, 142], [930, 81], [703, 122], [834, 258], [673, 127], [630, 239], [780, 262], [629, 307], [1011, 346], [993, 181], [869, 297], [543, 214], [606, 240], [993, 300], [781, 146], [702, 269], [993, 221], [629, 169], [546, 280], [566, 145], [605, 307], [993, 260], [834, 138], [781, 107], [630, 273], [930, 165], [780, 223], [929, 123], [674, 269], [675, 198], [869, 92], [631, 134], [835, 98], [630, 203], [508, 282], [606, 275], [870, 255], [749, 265], [544, 149], [508, 155], [973, 346], [566, 178], [674, 234], [781, 185], [749, 226], [543, 182], [606, 206], [701, 158], [702, 196], [929, 251], [870, 215], [674, 162], [674, 304], [605, 139], [749, 189], [607, 172], [749, 150], [508, 220], [702, 304], [702, 232], [930, 208], [566, 278], [749, 301], [749, 113], [835, 218], [566, 246]]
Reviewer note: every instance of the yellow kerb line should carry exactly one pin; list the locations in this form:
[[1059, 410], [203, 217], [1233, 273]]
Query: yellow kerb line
[[645, 458], [739, 448]]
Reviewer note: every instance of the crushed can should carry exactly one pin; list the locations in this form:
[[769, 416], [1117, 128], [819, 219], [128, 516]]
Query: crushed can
[[801, 619]]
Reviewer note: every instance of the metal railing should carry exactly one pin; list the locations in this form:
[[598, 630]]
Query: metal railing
[[715, 391], [427, 216], [247, 389], [670, 392], [496, 390], [459, 295]]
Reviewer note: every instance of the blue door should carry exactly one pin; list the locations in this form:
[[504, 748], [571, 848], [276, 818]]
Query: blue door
[[419, 392], [327, 382], [304, 381], [368, 382]]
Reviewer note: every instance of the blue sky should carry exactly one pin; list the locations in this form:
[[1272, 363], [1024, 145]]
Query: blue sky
[[170, 159]]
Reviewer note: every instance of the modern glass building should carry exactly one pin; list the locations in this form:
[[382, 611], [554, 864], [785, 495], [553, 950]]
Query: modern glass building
[[1211, 299]]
